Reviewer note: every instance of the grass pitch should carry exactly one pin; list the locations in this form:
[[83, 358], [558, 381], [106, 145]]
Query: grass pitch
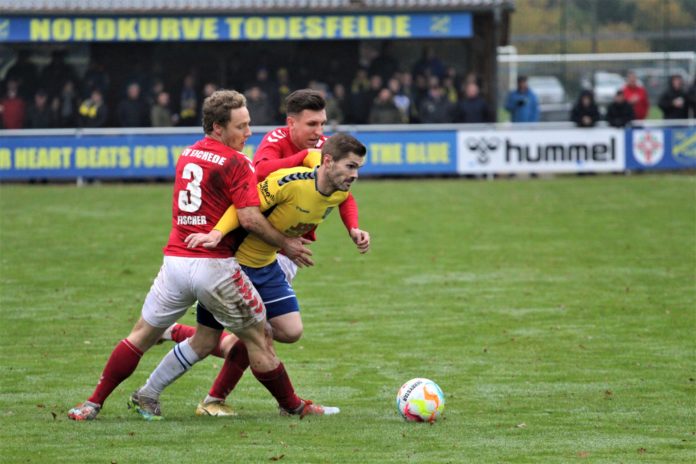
[[557, 315]]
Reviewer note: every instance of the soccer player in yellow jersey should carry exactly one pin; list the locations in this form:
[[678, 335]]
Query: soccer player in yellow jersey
[[296, 200]]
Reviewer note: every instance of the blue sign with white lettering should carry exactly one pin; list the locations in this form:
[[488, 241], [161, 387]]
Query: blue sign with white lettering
[[24, 157], [234, 28]]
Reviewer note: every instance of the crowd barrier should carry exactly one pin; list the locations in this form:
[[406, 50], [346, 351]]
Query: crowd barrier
[[392, 150]]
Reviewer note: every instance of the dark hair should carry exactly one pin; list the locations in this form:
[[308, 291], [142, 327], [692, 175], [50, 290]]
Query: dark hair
[[218, 106], [521, 79], [304, 99], [340, 145]]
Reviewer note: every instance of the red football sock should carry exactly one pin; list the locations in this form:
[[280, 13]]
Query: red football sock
[[181, 332], [278, 383], [232, 370], [121, 364]]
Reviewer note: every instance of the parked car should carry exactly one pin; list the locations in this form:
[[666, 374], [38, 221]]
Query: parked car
[[604, 85], [553, 104]]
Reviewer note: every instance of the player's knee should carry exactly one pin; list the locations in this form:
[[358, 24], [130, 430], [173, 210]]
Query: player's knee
[[204, 342], [144, 335], [289, 334]]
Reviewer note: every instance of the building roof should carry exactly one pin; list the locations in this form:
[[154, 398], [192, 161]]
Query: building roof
[[241, 6]]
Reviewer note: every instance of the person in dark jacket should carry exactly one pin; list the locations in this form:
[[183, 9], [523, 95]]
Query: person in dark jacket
[[435, 108], [674, 101], [133, 111], [692, 98], [620, 112], [473, 107], [585, 112], [40, 115], [384, 110]]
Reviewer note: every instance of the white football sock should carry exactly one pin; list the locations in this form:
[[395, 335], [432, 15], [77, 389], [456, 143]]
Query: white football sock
[[174, 364]]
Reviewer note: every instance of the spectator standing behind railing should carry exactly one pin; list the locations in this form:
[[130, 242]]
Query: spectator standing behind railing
[[66, 104], [619, 112], [384, 110], [259, 107], [522, 103], [160, 112], [12, 107], [188, 103], [133, 111], [472, 108], [692, 98], [674, 101], [40, 115], [336, 105], [435, 108], [636, 95], [585, 112], [93, 111], [401, 98]]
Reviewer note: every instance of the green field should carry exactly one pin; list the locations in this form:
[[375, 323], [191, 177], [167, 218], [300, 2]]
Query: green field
[[558, 315]]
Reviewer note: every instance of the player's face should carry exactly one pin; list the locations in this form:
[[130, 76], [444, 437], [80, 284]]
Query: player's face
[[306, 128], [237, 130], [343, 173]]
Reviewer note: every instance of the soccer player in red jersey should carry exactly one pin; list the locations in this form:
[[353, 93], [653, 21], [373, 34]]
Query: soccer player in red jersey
[[211, 175], [287, 147]]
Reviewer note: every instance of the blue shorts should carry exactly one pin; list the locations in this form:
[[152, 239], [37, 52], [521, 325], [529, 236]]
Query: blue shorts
[[277, 294]]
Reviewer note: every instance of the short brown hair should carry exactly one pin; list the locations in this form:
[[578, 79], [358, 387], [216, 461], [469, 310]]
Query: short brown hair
[[218, 106], [304, 99], [340, 145]]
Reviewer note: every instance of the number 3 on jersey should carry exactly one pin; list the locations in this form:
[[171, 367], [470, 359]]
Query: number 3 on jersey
[[190, 199]]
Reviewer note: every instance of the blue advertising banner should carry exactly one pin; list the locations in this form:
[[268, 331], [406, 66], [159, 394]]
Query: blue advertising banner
[[661, 148], [410, 153], [234, 28], [24, 157]]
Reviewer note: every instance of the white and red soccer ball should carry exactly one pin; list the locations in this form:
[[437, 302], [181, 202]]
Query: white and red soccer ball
[[420, 400]]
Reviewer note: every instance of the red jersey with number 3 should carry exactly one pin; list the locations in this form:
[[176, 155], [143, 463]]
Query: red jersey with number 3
[[210, 177]]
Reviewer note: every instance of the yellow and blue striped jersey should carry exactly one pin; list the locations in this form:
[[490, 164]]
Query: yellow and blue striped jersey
[[296, 207]]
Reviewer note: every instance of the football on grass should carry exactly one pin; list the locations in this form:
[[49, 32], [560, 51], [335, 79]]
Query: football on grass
[[420, 400]]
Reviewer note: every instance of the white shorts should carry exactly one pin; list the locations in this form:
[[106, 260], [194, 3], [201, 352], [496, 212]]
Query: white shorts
[[289, 268], [218, 283]]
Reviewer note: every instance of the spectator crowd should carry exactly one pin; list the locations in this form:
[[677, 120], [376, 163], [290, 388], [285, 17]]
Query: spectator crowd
[[380, 91]]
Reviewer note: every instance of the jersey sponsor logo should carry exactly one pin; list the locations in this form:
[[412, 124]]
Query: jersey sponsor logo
[[265, 191], [648, 146], [296, 176], [276, 136], [299, 229], [205, 156]]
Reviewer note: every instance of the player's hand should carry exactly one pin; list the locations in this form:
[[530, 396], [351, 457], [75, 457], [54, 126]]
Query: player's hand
[[361, 239], [296, 250], [209, 240]]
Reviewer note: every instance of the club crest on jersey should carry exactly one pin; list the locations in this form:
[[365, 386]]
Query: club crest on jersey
[[295, 176], [276, 135]]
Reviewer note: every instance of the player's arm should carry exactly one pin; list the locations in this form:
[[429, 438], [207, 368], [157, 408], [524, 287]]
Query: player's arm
[[227, 223], [349, 216], [271, 194], [268, 159]]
